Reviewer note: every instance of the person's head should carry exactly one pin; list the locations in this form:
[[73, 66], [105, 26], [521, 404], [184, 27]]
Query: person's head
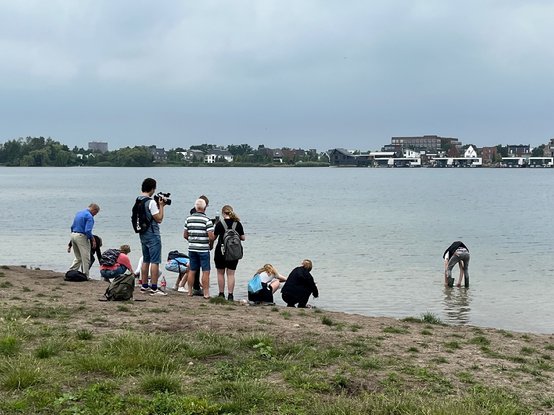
[[307, 264], [149, 186], [205, 199], [270, 269], [94, 209], [227, 211], [200, 205], [125, 249]]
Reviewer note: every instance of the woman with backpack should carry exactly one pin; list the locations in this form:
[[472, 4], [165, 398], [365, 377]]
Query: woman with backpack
[[228, 250]]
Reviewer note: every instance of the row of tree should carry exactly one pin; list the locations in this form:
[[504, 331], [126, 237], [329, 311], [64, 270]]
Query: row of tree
[[41, 152]]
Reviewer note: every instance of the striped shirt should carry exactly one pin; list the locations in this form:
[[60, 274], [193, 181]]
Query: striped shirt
[[198, 225]]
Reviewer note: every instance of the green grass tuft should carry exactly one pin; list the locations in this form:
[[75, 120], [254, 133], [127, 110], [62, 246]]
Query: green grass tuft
[[9, 345], [431, 318]]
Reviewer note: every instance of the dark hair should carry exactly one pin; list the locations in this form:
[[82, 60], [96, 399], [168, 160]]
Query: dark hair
[[148, 185]]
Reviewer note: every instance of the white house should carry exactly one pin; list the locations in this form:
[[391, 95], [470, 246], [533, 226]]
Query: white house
[[214, 155], [470, 153]]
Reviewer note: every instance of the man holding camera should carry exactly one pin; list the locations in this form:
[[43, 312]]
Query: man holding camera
[[151, 240]]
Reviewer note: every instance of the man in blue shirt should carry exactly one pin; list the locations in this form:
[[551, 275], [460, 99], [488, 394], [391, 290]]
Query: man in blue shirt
[[82, 239]]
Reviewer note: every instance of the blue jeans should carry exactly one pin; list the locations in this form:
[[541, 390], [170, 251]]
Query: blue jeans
[[199, 260], [112, 273], [151, 248]]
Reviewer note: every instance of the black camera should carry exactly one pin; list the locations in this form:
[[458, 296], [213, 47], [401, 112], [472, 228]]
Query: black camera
[[164, 197]]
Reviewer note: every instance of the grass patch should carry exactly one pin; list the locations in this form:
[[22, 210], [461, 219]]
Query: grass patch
[[453, 345], [480, 340], [327, 321], [426, 332], [123, 308], [6, 284], [19, 374], [163, 383], [431, 318], [395, 330], [9, 345], [84, 334]]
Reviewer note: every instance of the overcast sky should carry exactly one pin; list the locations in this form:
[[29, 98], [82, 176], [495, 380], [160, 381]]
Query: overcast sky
[[297, 73]]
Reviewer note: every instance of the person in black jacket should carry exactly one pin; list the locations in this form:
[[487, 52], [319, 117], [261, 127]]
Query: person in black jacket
[[299, 286], [93, 251], [456, 253]]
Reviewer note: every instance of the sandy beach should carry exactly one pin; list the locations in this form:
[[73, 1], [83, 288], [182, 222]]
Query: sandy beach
[[496, 358]]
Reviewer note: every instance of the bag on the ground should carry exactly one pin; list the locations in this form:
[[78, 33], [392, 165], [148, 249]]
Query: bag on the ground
[[121, 288], [139, 217], [231, 248], [109, 257], [255, 284], [75, 276], [177, 265], [175, 254]]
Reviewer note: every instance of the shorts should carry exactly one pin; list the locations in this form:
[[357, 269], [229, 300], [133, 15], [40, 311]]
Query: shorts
[[265, 295], [220, 262], [199, 260], [112, 273], [151, 248]]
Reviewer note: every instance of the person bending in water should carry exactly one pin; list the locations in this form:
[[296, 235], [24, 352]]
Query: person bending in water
[[456, 253]]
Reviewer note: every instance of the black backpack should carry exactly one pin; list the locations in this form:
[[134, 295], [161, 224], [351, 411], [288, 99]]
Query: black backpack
[[109, 257], [231, 248], [139, 217], [121, 288], [75, 276], [175, 254]]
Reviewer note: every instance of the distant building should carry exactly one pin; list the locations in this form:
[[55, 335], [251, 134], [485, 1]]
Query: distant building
[[343, 157], [159, 154], [193, 155], [518, 149], [216, 155], [549, 148], [488, 154], [100, 146], [431, 143]]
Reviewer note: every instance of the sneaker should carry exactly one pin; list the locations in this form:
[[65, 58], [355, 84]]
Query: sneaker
[[199, 292], [221, 295], [158, 292], [230, 297], [181, 290], [146, 290]]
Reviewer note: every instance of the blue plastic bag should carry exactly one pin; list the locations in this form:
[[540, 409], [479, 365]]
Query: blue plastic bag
[[255, 284]]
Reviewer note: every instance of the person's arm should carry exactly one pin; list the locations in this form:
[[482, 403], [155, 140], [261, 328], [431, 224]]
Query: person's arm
[[124, 260], [281, 278], [313, 285], [159, 216], [186, 234], [89, 224]]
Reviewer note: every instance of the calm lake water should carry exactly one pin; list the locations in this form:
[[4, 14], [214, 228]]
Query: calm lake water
[[376, 236]]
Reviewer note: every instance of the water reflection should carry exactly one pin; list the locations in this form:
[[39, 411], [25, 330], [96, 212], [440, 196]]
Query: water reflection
[[456, 305]]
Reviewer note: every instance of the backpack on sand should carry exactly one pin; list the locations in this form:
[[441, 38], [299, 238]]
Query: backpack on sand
[[109, 257], [231, 248], [121, 288], [75, 276], [139, 218]]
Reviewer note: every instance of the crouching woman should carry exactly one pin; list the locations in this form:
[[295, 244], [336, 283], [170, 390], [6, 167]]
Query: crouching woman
[[121, 266], [270, 282]]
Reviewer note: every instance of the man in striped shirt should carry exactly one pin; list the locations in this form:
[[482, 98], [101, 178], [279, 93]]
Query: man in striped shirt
[[199, 232]]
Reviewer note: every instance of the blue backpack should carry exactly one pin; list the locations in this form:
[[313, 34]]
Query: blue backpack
[[255, 284]]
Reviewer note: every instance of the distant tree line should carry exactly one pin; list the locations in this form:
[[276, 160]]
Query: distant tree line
[[43, 152]]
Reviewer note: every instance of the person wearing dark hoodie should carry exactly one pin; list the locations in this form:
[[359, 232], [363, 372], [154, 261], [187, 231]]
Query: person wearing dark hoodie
[[299, 286], [456, 253]]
